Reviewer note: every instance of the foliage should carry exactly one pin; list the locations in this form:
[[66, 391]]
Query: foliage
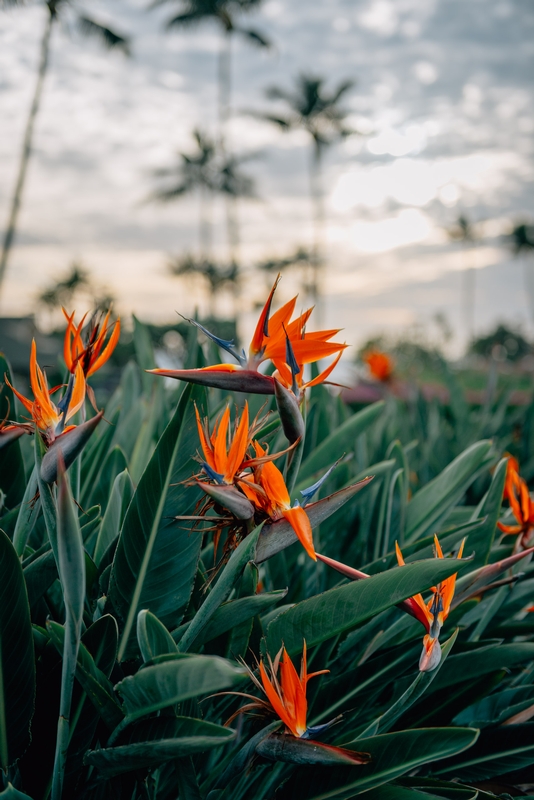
[[116, 603]]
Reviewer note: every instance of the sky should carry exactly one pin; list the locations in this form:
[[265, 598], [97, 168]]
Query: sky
[[444, 113]]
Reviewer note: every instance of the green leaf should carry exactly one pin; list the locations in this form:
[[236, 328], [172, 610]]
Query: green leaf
[[231, 614], [109, 530], [385, 721], [342, 440], [114, 464], [489, 507], [432, 503], [144, 352], [392, 755], [39, 575], [499, 750], [27, 516], [245, 552], [153, 637], [12, 477], [476, 663], [47, 497], [17, 667], [162, 685], [155, 741], [155, 562], [325, 615], [71, 568], [93, 681], [10, 793]]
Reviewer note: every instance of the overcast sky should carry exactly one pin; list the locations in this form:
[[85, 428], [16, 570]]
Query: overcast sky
[[444, 98]]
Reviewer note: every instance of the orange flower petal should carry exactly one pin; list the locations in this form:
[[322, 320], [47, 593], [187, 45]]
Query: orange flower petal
[[238, 447], [109, 348], [300, 522], [262, 327], [274, 698]]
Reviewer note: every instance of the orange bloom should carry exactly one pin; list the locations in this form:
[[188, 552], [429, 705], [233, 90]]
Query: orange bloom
[[380, 365], [433, 613], [224, 460], [91, 353], [268, 343], [50, 418], [517, 494], [286, 695], [267, 490]]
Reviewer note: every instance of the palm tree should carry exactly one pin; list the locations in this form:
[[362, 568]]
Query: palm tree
[[88, 27], [216, 276], [522, 241], [225, 13], [312, 108], [464, 231], [208, 172]]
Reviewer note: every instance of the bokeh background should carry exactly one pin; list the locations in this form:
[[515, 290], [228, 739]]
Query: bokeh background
[[418, 221]]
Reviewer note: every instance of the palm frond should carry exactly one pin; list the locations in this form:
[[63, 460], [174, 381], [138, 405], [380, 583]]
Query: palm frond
[[255, 37], [108, 37]]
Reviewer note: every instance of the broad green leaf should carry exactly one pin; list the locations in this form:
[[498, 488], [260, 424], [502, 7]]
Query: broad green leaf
[[10, 793], [94, 682], [481, 540], [47, 497], [95, 454], [27, 516], [441, 789], [71, 568], [153, 637], [339, 609], [12, 478], [475, 663], [162, 685], [109, 529], [342, 440], [17, 667], [385, 721], [245, 552], [114, 463], [433, 502], [156, 560], [144, 352], [392, 755], [499, 750], [39, 575], [231, 614], [153, 742]]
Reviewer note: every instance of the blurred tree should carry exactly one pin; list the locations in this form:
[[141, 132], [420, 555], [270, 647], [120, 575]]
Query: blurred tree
[[521, 240], [208, 172], [87, 27], [503, 343], [464, 231], [73, 285], [301, 258], [214, 276], [225, 13], [310, 107]]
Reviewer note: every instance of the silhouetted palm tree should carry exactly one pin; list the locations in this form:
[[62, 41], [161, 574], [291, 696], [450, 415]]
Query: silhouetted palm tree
[[88, 27], [464, 231], [214, 276], [521, 240], [207, 172], [312, 108], [226, 14]]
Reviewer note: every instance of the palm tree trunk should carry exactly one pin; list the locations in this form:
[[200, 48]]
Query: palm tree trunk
[[225, 86], [26, 147], [468, 291], [318, 217]]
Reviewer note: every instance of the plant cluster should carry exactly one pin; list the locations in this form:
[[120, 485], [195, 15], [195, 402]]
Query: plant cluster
[[167, 563]]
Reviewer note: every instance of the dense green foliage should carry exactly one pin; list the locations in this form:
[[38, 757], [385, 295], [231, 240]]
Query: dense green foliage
[[112, 610]]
